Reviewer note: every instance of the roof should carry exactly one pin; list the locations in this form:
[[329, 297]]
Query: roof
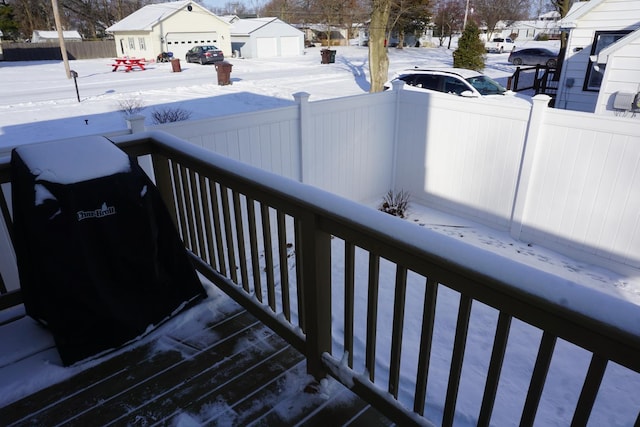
[[150, 15], [462, 72], [54, 34], [248, 26], [577, 11]]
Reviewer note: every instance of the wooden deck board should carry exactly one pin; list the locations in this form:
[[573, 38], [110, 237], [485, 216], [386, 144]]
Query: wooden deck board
[[234, 371]]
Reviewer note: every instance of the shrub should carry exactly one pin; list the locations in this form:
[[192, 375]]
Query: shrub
[[395, 203], [168, 115], [131, 106], [470, 52]]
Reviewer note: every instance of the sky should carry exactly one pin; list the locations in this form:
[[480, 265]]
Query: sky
[[39, 103], [249, 4]]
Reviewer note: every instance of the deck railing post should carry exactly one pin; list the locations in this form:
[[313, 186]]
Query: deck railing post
[[162, 175], [135, 123], [316, 280]]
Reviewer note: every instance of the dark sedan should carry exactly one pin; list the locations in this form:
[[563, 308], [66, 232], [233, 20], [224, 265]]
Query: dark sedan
[[534, 56], [204, 54]]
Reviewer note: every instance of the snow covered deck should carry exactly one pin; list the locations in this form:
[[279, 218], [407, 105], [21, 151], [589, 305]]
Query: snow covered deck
[[215, 364], [424, 327]]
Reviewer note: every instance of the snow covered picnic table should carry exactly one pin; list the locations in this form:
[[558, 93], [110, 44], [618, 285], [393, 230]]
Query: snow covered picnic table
[[128, 64]]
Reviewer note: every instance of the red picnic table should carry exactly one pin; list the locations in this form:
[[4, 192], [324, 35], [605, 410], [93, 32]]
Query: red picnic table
[[128, 63]]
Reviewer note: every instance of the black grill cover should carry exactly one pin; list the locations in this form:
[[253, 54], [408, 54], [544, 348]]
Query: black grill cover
[[100, 260]]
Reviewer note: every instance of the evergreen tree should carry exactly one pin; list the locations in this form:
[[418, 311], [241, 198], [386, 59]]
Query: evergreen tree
[[8, 26], [470, 52]]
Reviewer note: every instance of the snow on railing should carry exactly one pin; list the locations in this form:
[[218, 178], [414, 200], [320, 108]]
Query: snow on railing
[[423, 326], [430, 328]]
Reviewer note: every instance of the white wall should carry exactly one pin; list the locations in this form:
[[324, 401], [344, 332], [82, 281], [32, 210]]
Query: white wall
[[462, 155], [562, 179], [584, 190]]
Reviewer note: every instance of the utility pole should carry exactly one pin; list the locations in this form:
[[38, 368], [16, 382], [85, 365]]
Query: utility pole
[[63, 48], [466, 13]]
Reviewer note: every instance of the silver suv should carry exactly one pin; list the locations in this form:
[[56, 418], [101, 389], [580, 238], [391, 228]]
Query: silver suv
[[457, 81]]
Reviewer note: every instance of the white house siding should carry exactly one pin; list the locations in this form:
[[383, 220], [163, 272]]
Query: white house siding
[[188, 29], [622, 74], [606, 15], [169, 27], [266, 38]]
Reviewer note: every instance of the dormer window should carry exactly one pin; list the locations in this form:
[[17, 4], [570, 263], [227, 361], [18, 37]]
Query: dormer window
[[595, 71]]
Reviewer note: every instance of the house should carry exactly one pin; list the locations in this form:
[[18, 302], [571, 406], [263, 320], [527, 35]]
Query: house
[[545, 26], [265, 38], [40, 36], [601, 72], [169, 27]]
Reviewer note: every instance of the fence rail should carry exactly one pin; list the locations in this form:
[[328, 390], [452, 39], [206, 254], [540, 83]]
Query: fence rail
[[293, 255], [327, 273], [51, 51]]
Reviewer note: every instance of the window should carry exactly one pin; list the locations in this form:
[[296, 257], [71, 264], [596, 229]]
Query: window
[[602, 39], [428, 82], [453, 85], [132, 44], [141, 43]]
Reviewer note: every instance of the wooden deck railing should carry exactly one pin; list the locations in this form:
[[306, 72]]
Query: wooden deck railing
[[539, 78], [293, 255]]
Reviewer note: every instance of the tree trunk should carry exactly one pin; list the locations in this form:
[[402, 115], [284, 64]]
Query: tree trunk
[[378, 59]]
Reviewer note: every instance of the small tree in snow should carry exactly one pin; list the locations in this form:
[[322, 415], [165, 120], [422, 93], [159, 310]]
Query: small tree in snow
[[395, 203], [470, 52], [169, 115]]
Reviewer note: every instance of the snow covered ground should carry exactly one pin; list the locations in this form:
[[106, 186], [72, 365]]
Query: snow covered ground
[[39, 103], [37, 99]]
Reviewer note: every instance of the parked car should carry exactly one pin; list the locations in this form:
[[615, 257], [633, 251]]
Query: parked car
[[499, 45], [204, 54], [534, 56], [457, 81]]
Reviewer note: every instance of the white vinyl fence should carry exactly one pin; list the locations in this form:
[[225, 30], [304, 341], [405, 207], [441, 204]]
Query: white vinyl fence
[[562, 179]]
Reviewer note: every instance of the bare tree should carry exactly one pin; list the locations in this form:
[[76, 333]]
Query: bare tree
[[490, 12], [449, 17], [562, 6], [378, 59], [330, 13], [356, 12]]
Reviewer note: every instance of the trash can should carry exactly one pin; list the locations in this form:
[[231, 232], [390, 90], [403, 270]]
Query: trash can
[[328, 56], [224, 73], [175, 65], [99, 258]]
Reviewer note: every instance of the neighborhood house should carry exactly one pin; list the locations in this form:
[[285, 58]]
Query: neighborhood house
[[170, 27], [265, 38], [40, 36], [601, 66]]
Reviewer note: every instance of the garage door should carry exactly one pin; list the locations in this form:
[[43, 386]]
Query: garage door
[[180, 43], [267, 47], [290, 46]]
